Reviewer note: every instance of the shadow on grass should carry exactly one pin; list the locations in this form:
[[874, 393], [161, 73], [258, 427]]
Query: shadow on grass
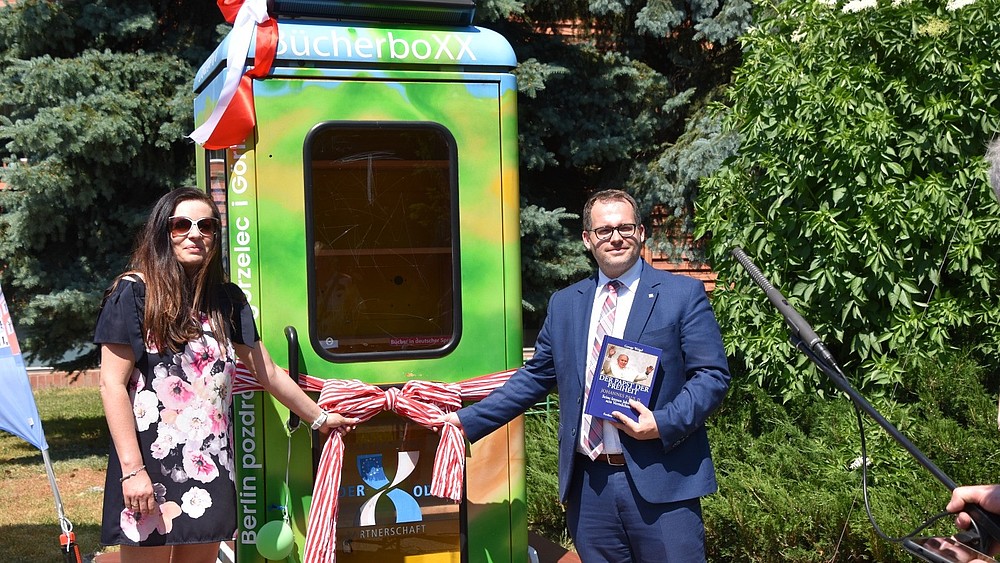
[[37, 543], [71, 438], [68, 439]]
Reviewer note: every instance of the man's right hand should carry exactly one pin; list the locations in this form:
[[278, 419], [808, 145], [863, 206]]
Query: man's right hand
[[986, 496], [449, 418]]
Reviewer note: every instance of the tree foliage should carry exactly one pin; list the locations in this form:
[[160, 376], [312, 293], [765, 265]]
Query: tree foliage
[[859, 187], [790, 473], [612, 96], [95, 106], [97, 100]]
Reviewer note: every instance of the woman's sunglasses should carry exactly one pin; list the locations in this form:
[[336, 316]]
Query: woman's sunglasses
[[180, 226]]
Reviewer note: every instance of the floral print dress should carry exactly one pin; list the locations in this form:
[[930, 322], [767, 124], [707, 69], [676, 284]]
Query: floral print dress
[[182, 406]]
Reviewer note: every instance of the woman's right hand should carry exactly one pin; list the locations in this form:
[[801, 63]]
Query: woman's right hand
[[335, 420], [138, 493]]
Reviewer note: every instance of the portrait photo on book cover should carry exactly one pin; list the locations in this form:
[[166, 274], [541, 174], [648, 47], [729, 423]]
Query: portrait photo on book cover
[[626, 371], [630, 365]]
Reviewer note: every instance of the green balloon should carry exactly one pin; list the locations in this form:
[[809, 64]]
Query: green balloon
[[275, 540]]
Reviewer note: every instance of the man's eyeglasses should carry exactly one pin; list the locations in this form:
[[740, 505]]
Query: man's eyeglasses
[[180, 226], [605, 233]]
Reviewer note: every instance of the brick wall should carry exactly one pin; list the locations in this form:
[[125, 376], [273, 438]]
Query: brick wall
[[663, 224], [685, 267], [46, 378]]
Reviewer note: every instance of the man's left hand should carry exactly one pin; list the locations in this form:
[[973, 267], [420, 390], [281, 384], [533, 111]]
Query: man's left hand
[[644, 429]]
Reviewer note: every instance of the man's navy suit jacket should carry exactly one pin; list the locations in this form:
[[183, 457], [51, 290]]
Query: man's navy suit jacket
[[670, 312]]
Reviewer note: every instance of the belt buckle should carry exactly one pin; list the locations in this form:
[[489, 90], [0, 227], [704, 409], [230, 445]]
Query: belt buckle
[[607, 458]]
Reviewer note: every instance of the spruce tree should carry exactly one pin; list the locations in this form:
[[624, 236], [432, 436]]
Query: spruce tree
[[613, 95], [97, 101], [95, 106]]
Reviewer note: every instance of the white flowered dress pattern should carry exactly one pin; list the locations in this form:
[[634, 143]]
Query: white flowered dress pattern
[[182, 405]]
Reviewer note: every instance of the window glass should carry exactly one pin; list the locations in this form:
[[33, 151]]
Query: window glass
[[383, 233]]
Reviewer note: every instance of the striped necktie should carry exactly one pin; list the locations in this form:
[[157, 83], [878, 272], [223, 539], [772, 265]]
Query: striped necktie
[[593, 428]]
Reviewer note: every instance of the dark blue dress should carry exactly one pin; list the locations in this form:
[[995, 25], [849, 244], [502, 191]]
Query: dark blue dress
[[182, 405]]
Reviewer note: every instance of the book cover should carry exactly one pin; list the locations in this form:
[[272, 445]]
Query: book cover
[[625, 370]]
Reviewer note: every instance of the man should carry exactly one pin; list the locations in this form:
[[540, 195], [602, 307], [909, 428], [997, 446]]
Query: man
[[987, 497], [620, 369], [631, 489]]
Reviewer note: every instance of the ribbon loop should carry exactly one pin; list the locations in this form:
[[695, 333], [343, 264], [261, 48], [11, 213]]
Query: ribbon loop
[[391, 398], [234, 117], [423, 402]]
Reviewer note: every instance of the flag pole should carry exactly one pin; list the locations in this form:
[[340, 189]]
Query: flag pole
[[64, 522]]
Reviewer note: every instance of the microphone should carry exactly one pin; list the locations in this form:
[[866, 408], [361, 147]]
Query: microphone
[[799, 327], [986, 523]]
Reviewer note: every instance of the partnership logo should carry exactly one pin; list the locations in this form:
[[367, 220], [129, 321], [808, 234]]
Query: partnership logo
[[372, 472]]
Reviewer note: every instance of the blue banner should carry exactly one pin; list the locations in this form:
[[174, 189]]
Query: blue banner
[[18, 412]]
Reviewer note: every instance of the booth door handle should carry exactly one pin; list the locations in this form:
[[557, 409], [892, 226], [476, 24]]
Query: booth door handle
[[293, 370]]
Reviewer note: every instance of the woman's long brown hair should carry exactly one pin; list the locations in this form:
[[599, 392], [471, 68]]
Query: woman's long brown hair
[[173, 301]]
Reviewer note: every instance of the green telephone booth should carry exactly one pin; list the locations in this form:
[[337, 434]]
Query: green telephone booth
[[372, 221]]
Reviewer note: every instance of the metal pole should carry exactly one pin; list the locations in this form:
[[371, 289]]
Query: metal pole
[[64, 522]]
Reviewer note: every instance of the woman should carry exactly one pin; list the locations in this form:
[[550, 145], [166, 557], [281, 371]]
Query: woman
[[170, 332]]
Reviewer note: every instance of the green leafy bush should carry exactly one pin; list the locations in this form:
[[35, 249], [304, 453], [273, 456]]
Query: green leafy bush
[[790, 474], [859, 187], [545, 513]]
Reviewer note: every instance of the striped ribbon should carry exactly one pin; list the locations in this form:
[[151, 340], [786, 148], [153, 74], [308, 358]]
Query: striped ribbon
[[234, 117], [420, 401]]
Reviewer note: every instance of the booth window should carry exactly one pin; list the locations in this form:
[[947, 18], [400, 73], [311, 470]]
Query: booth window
[[383, 229]]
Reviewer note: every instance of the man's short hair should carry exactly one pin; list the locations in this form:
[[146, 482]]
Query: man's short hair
[[605, 196]]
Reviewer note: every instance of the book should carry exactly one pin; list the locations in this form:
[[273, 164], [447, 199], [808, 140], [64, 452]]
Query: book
[[625, 370]]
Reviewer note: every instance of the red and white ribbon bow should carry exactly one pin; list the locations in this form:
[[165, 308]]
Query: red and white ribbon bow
[[420, 401], [233, 118]]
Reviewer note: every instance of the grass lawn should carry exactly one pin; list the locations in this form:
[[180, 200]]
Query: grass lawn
[[78, 445]]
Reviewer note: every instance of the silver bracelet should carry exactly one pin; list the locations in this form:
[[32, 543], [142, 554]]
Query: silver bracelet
[[320, 420], [132, 474]]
